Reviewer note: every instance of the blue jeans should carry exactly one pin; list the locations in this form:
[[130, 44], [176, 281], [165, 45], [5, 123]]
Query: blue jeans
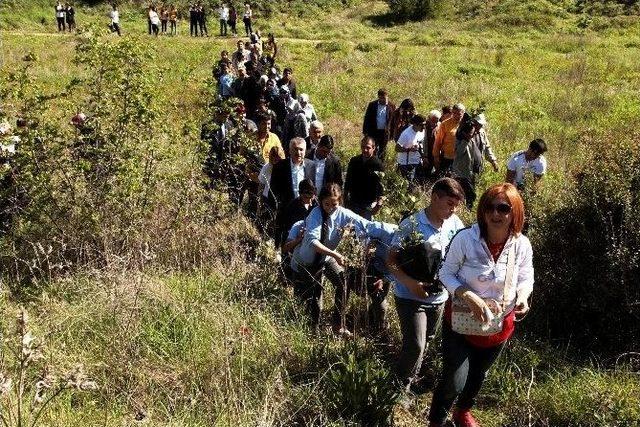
[[408, 172]]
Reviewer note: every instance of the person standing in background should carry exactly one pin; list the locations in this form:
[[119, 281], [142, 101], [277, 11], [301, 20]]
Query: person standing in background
[[247, 18], [233, 19], [173, 19], [223, 14], [155, 21], [377, 121], [193, 20], [115, 20], [70, 14], [202, 20], [164, 19], [60, 13]]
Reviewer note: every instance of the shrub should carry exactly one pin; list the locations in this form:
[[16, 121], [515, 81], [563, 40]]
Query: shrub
[[414, 10], [587, 250]]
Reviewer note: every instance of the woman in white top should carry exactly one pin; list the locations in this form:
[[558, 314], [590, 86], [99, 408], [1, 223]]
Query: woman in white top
[[247, 18], [408, 147], [155, 21], [474, 271], [115, 20]]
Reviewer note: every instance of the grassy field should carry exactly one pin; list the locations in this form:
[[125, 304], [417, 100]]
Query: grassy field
[[224, 345]]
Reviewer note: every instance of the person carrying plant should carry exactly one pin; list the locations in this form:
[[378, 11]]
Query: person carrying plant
[[415, 255]]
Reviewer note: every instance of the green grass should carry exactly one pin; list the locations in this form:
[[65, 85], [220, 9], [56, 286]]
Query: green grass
[[226, 346]]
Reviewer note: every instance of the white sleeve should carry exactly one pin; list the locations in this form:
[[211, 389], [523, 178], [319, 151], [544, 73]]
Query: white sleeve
[[453, 260], [540, 167], [525, 267], [404, 140]]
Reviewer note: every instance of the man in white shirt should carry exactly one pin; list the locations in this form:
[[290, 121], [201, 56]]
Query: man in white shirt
[[223, 13], [328, 167], [408, 147], [527, 161]]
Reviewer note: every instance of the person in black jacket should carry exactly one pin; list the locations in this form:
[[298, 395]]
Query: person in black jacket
[[376, 123], [70, 16], [285, 180], [202, 20], [193, 20], [328, 167], [363, 186]]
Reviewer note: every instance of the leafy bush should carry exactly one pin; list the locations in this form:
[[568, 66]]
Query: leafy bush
[[587, 258], [414, 10], [361, 390], [112, 190]]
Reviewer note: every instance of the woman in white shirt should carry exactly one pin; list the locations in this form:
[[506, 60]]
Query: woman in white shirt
[[474, 271], [155, 21]]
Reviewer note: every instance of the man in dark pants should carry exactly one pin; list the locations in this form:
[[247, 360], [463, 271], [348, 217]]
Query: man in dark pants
[[193, 20], [363, 186], [376, 122], [202, 20]]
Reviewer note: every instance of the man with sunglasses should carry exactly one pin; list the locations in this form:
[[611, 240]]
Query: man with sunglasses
[[525, 162]]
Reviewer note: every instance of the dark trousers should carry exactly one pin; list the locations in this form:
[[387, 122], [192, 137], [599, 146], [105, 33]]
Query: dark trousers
[[71, 23], [115, 28], [464, 369], [380, 137], [408, 172], [154, 29], [247, 26], [149, 27], [469, 187], [308, 288], [223, 27], [174, 27], [163, 24], [418, 324], [203, 27], [60, 24], [232, 25], [193, 27]]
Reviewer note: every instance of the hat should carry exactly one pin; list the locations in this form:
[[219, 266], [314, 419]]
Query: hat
[[303, 98]]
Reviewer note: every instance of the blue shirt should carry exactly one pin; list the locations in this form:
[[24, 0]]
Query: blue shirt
[[381, 116], [225, 85], [305, 253], [295, 230], [434, 239]]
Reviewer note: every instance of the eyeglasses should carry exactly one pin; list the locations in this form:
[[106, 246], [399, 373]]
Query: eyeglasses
[[501, 208]]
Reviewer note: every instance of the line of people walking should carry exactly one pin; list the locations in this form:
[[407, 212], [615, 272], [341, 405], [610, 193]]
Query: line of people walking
[[472, 282]]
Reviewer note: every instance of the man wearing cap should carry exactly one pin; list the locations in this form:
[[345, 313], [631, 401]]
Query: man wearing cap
[[376, 123], [472, 146], [444, 147]]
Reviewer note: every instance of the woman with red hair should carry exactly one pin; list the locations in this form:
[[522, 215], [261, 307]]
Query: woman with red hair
[[488, 272]]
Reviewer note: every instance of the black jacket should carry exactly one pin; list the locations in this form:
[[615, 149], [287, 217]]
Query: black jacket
[[281, 184], [369, 124], [332, 172], [363, 185]]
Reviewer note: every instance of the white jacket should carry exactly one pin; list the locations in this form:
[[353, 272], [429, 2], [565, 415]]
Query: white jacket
[[469, 262]]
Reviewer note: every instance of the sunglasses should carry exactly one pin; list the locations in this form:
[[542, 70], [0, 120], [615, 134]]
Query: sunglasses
[[501, 208]]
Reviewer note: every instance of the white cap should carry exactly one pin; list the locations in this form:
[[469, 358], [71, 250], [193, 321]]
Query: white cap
[[303, 98], [435, 113]]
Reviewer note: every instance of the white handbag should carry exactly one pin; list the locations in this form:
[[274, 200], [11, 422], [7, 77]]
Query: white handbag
[[462, 319]]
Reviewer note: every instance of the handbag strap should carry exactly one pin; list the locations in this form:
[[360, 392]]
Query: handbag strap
[[508, 280]]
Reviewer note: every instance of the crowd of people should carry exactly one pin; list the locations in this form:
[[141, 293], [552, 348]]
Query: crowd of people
[[163, 19], [473, 280]]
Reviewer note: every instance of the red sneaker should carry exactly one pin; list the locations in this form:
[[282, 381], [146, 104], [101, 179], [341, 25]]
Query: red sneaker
[[463, 418]]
